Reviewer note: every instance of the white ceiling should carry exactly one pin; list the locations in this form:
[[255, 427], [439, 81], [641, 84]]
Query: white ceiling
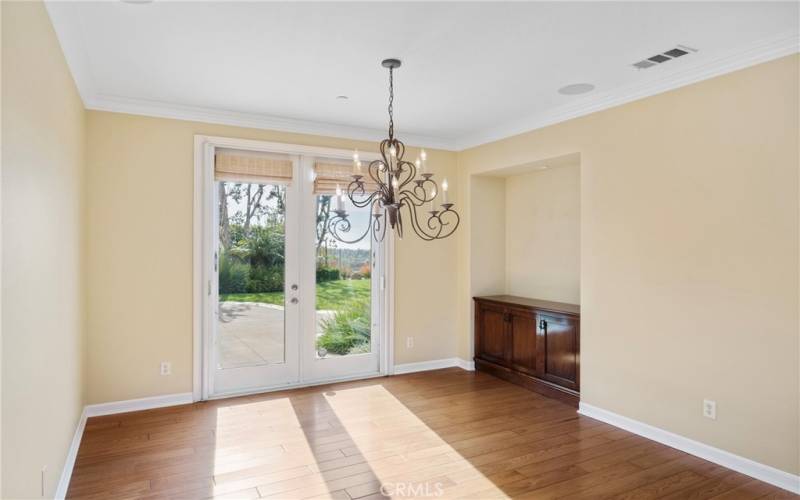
[[472, 72]]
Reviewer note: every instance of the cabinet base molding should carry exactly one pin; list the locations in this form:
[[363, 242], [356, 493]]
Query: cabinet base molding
[[531, 383]]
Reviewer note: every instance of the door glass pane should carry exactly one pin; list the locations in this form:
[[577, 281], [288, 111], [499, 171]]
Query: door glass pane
[[344, 284], [251, 320]]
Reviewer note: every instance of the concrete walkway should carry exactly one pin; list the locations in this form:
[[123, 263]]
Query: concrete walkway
[[252, 333]]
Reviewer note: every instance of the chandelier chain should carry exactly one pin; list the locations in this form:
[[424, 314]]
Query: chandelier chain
[[391, 102]]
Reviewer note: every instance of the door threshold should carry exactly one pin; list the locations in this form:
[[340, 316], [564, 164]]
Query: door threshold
[[295, 385]]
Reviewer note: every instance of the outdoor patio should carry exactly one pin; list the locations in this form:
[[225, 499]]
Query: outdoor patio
[[252, 333]]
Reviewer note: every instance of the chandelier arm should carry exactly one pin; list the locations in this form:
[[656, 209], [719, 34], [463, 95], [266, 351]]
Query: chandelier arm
[[340, 222], [413, 197], [378, 228], [450, 213], [374, 170], [420, 193], [386, 156], [415, 223], [433, 192], [356, 188], [437, 222], [411, 172], [400, 149]]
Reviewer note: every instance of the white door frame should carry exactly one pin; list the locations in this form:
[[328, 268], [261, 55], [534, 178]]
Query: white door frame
[[202, 259]]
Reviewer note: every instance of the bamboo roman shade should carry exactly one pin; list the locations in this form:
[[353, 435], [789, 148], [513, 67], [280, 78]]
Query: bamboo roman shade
[[246, 166], [330, 173]]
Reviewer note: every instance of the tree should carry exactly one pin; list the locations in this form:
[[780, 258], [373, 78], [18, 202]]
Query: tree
[[323, 216], [256, 201], [224, 221]]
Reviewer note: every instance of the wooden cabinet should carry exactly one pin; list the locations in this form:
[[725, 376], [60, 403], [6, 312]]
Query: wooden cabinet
[[493, 339], [530, 342], [558, 348], [522, 340]]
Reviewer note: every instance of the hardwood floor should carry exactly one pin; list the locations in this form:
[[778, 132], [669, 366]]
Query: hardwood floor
[[448, 433]]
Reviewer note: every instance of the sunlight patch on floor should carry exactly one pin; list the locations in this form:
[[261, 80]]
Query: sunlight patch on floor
[[404, 453], [362, 441], [250, 446]]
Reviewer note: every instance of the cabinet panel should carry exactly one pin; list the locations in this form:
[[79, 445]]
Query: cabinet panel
[[558, 349], [492, 333], [523, 341]]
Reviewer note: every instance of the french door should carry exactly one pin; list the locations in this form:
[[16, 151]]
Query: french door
[[286, 304]]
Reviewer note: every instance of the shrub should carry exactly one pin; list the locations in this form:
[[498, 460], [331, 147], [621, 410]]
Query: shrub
[[348, 330], [327, 274], [265, 245], [265, 279], [233, 275]]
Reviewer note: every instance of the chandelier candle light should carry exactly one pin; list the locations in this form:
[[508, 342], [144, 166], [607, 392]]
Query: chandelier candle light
[[400, 195]]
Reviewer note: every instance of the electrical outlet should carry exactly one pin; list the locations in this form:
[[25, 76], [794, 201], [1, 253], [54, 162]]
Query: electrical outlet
[[166, 368], [710, 409], [409, 342]]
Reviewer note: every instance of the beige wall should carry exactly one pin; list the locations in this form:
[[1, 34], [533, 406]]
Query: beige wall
[[140, 173], [689, 256], [487, 272], [43, 125], [543, 234]]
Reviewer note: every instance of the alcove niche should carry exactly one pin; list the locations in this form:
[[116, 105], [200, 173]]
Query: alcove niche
[[525, 230]]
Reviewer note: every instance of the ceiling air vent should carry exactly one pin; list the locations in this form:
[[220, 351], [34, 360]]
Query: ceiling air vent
[[679, 51]]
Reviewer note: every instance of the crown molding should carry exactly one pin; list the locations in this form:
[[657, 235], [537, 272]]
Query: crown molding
[[762, 51], [780, 45], [251, 120]]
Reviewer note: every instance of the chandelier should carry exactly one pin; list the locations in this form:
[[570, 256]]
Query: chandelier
[[399, 193]]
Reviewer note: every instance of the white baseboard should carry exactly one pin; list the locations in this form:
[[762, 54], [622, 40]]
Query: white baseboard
[[113, 407], [464, 364], [771, 475], [97, 410], [436, 364], [72, 454]]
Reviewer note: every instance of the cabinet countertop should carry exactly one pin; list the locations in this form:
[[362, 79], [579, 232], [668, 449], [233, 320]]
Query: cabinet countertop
[[545, 305]]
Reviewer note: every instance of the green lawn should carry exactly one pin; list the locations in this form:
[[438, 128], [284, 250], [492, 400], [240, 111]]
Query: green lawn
[[331, 295]]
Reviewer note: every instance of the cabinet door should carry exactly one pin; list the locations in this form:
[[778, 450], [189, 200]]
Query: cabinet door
[[492, 333], [523, 340], [558, 349]]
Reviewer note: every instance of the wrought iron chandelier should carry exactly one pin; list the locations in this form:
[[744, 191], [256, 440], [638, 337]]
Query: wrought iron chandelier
[[400, 196]]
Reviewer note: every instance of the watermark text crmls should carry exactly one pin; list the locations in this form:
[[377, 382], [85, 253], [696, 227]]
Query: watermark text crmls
[[412, 490]]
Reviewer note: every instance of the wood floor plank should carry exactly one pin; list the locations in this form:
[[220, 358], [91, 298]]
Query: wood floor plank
[[461, 434]]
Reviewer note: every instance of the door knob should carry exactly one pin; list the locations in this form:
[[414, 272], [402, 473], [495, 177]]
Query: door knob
[[294, 287], [294, 300]]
